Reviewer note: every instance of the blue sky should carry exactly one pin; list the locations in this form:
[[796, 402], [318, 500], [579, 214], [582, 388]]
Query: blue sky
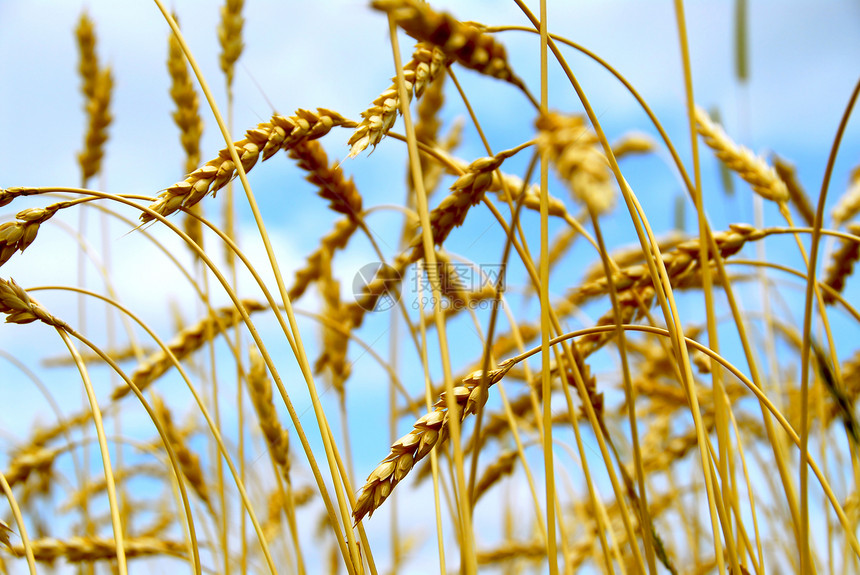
[[336, 55]]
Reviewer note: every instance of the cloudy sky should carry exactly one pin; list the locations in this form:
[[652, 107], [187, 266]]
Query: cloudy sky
[[335, 54]]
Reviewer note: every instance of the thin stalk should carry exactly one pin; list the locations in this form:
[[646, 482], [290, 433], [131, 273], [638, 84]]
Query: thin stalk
[[467, 551]]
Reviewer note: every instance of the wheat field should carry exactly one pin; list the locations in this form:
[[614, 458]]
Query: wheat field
[[407, 287]]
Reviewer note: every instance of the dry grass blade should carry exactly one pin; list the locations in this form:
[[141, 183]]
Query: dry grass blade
[[429, 431], [752, 169], [184, 344], [280, 133]]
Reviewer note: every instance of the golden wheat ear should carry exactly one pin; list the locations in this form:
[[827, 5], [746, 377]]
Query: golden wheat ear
[[428, 432]]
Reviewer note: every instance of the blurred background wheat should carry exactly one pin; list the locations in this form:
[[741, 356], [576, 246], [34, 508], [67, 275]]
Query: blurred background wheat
[[510, 300]]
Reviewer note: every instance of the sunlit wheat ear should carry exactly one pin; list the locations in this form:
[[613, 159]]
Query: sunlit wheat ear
[[387, 279], [31, 460], [680, 262], [427, 62], [187, 114], [429, 431], [849, 203], [466, 192], [187, 119], [184, 344], [336, 239], [753, 169], [260, 390], [335, 343], [16, 304], [788, 174], [18, 235], [88, 64], [189, 463], [333, 186], [93, 548], [5, 530], [842, 263], [463, 42], [230, 36], [96, 85], [98, 111], [632, 144], [574, 150], [501, 467], [280, 133]]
